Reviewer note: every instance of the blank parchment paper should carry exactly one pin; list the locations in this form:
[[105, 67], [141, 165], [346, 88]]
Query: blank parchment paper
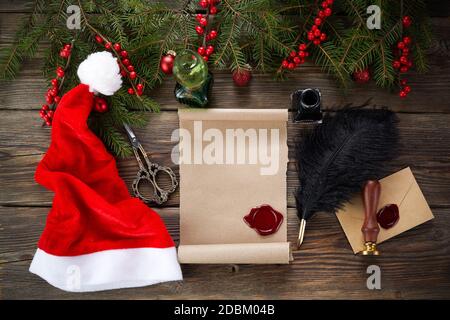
[[215, 197]]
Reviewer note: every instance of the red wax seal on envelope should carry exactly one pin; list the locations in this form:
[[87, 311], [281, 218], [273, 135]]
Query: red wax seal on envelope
[[264, 219], [388, 216]]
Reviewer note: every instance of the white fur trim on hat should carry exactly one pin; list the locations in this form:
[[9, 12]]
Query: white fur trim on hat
[[101, 73]]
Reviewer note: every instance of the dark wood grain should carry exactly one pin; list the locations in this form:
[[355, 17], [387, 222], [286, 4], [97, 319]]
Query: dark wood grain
[[414, 265]]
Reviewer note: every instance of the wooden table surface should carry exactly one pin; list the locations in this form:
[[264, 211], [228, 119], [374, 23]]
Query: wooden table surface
[[415, 264]]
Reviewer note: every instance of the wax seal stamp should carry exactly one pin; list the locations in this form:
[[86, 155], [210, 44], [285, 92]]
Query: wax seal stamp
[[388, 216], [264, 219]]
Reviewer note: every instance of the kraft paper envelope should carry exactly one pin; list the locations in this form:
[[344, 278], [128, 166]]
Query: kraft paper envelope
[[215, 197], [400, 188]]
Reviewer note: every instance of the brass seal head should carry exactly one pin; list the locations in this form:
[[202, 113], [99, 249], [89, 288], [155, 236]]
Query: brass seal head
[[371, 249]]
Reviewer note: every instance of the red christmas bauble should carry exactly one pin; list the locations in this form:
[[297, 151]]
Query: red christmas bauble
[[242, 77], [100, 105], [362, 76], [167, 61]]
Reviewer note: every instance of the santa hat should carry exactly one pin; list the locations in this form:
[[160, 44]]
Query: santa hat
[[97, 236]]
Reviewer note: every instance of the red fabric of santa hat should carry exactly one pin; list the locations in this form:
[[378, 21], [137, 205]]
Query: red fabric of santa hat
[[97, 236]]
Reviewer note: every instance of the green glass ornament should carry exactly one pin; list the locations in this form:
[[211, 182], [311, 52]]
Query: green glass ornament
[[193, 79]]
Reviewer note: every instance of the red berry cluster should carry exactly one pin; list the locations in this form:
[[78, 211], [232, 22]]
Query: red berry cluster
[[126, 68], [403, 62], [202, 19], [405, 89], [52, 96], [66, 51], [315, 36]]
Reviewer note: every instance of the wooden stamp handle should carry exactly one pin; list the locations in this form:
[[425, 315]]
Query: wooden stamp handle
[[371, 196]]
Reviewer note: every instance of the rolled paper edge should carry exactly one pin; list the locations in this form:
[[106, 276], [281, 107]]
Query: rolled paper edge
[[236, 253], [233, 114]]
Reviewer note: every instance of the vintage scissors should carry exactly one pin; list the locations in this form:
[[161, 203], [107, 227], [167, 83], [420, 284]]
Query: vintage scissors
[[148, 171]]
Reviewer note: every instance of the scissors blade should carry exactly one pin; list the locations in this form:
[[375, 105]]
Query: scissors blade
[[133, 139]]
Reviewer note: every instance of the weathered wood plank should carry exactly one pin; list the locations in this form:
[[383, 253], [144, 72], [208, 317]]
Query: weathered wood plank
[[263, 91], [325, 263], [23, 141]]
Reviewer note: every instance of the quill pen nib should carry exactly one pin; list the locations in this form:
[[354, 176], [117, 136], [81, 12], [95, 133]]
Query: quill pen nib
[[301, 233]]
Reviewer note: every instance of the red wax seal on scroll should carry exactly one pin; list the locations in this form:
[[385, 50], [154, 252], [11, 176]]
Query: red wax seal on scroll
[[264, 219]]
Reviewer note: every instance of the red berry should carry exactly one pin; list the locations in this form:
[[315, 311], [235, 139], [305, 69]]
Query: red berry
[[108, 45], [323, 37], [198, 17], [396, 64], [199, 30], [405, 51], [301, 54], [133, 75], [203, 22], [204, 3], [403, 60], [321, 14], [403, 82], [407, 40], [330, 2], [130, 91], [54, 82], [317, 33], [123, 73], [48, 123], [403, 94], [68, 46], [209, 50], [297, 60], [317, 21], [407, 89], [324, 4], [49, 99], [314, 27], [41, 113], [44, 107], [406, 21], [400, 45], [117, 47], [291, 66], [213, 34], [60, 72], [410, 63], [316, 42], [302, 47], [57, 99], [328, 12], [98, 39], [205, 58], [53, 92], [201, 51], [64, 54], [310, 36], [213, 10], [284, 64], [130, 68], [306, 53], [126, 62], [293, 53], [139, 87], [403, 69], [123, 54]]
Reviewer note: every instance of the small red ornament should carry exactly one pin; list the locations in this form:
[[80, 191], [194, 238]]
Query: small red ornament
[[209, 50], [124, 54], [199, 30], [54, 82], [98, 39], [204, 3], [213, 10], [201, 51], [108, 45], [302, 47], [126, 62], [130, 91], [317, 21], [284, 63], [406, 21], [203, 22], [167, 61], [406, 40], [402, 94], [117, 47], [60, 72], [139, 87], [130, 68], [133, 75], [213, 34], [100, 105], [198, 17], [362, 76], [242, 77]]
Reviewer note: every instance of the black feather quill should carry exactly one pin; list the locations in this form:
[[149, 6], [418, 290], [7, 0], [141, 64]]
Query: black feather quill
[[340, 155]]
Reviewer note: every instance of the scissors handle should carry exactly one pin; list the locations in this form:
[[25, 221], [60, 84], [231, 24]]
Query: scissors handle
[[160, 195]]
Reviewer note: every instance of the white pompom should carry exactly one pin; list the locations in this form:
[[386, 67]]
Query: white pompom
[[101, 73]]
